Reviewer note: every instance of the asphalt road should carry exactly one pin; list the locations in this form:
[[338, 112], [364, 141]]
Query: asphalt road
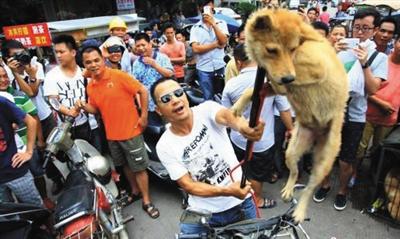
[[325, 222]]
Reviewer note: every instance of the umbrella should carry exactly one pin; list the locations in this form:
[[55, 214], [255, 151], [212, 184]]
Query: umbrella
[[233, 25], [393, 4]]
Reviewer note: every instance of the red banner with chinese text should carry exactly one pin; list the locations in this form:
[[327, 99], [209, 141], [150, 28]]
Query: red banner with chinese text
[[29, 35]]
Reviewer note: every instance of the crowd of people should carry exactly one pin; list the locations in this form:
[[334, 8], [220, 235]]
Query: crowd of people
[[116, 88]]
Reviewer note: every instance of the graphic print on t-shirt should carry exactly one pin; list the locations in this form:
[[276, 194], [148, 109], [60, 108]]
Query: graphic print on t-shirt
[[203, 161], [70, 92]]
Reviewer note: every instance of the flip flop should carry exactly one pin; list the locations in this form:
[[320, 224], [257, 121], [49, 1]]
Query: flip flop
[[151, 210], [268, 203]]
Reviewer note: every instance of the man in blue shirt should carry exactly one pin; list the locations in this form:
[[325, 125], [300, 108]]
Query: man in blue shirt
[[151, 65], [14, 171], [208, 38]]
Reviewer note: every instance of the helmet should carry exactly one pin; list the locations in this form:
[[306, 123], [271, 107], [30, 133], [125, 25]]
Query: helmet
[[100, 168], [98, 165], [117, 22]]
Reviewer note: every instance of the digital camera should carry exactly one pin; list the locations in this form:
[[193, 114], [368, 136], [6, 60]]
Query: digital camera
[[23, 58]]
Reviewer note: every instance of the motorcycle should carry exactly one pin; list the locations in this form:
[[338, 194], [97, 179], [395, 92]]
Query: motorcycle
[[87, 207], [23, 221]]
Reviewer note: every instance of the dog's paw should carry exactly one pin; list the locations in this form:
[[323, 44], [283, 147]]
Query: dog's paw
[[299, 214], [287, 193]]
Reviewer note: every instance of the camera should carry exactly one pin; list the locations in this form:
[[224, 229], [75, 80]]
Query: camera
[[23, 58]]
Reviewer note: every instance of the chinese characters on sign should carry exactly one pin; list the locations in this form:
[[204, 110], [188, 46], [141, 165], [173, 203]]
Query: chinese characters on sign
[[29, 35], [125, 4]]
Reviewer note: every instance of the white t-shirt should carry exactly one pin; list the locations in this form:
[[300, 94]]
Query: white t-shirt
[[69, 89], [234, 89], [206, 154]]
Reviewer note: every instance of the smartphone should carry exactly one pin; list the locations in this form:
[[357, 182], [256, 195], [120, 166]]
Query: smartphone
[[301, 7], [351, 42], [207, 10]]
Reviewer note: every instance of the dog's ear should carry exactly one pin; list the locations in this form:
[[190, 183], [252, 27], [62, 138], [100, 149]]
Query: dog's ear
[[263, 23], [307, 33]]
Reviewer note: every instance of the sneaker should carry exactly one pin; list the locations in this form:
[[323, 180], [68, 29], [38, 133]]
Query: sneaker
[[340, 202], [320, 195]]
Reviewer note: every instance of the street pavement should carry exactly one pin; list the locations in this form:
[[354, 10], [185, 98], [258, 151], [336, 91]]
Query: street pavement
[[325, 221]]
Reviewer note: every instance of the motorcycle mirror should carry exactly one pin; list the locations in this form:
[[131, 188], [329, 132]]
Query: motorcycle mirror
[[55, 104]]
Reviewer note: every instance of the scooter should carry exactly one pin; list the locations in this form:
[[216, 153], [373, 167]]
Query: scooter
[[87, 208]]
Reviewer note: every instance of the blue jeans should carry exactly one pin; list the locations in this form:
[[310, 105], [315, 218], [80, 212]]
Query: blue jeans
[[207, 84], [243, 211]]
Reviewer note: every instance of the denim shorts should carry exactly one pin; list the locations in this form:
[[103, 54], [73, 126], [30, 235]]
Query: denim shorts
[[245, 210]]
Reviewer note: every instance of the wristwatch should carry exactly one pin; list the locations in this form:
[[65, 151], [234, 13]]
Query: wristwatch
[[366, 65]]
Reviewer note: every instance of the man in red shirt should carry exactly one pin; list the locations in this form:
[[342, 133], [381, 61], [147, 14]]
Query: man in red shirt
[[111, 93], [175, 50]]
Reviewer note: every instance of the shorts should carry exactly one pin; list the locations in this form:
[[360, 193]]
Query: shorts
[[23, 188], [351, 136], [260, 167], [131, 151]]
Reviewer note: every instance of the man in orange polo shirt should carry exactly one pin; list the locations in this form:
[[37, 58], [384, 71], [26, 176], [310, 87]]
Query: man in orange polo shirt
[[111, 93]]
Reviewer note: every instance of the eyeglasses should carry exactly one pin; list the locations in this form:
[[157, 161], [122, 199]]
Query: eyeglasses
[[362, 28], [168, 97], [114, 49]]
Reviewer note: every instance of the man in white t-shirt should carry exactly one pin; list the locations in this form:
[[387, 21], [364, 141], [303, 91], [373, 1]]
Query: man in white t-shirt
[[66, 83], [260, 168], [196, 151]]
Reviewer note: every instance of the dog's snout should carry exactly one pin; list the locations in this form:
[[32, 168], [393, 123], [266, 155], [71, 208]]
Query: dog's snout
[[287, 79]]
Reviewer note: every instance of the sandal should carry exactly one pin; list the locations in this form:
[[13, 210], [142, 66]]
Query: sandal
[[267, 203], [151, 210], [128, 199]]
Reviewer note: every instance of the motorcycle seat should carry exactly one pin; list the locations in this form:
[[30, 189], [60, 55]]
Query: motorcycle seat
[[74, 203], [76, 200]]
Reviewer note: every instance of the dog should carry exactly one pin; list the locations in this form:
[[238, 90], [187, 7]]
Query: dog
[[302, 65]]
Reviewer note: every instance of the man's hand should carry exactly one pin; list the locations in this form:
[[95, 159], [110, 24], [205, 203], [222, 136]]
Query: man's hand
[[31, 70], [149, 61], [142, 122], [74, 112], [13, 64], [361, 54], [387, 108], [340, 45], [253, 134], [208, 19], [80, 104], [236, 191], [20, 158]]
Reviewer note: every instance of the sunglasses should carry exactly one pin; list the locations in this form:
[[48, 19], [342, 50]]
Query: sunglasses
[[168, 97], [114, 49]]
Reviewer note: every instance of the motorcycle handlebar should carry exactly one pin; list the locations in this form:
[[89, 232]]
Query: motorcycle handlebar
[[47, 156]]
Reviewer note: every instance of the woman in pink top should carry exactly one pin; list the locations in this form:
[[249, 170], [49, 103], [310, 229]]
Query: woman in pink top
[[383, 106]]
